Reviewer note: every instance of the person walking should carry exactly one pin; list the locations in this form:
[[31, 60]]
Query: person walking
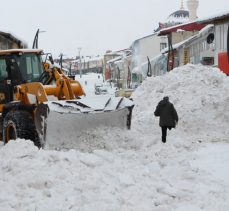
[[168, 116]]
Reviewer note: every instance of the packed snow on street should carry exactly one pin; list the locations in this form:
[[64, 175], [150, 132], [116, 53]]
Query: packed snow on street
[[133, 170]]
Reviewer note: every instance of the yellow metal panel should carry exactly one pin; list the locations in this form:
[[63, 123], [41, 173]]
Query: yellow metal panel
[[186, 59]]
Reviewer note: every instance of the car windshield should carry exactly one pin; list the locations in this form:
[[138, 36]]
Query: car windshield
[[30, 66]]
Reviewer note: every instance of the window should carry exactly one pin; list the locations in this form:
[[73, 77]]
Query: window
[[30, 66], [163, 45], [3, 72]]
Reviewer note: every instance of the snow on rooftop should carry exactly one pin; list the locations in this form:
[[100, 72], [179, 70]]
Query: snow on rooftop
[[14, 36], [89, 59], [214, 16], [206, 29], [21, 50], [189, 26], [114, 59], [202, 32]]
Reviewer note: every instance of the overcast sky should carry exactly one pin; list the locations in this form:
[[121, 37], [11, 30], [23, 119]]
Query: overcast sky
[[93, 25]]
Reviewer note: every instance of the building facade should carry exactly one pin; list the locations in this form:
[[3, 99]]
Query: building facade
[[209, 46], [9, 41]]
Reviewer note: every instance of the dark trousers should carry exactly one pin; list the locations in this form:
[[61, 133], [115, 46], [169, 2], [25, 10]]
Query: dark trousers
[[164, 132]]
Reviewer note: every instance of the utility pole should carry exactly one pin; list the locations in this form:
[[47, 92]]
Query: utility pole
[[79, 49]]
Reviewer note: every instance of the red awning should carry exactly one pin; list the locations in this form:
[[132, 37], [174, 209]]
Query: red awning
[[193, 26]]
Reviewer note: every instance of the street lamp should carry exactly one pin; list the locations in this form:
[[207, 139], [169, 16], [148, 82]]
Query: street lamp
[[35, 41], [79, 49]]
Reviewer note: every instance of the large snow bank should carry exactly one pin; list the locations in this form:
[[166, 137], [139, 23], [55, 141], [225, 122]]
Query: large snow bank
[[134, 170], [200, 95]]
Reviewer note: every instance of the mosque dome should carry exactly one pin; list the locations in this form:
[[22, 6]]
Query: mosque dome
[[180, 13], [179, 16]]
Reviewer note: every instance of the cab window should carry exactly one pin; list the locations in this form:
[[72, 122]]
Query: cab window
[[3, 72]]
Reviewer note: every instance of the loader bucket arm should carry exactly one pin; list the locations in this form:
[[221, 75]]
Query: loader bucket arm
[[31, 93], [68, 89]]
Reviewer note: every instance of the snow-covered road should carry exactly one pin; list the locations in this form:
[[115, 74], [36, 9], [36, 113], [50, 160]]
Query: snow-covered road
[[133, 170]]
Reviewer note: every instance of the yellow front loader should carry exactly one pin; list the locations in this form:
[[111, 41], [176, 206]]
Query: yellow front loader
[[39, 102]]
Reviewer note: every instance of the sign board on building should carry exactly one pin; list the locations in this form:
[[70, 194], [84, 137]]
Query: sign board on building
[[186, 60]]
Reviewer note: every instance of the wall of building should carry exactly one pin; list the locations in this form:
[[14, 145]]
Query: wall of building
[[182, 35], [221, 38], [8, 42], [150, 47], [197, 50], [5, 43], [106, 66], [126, 65]]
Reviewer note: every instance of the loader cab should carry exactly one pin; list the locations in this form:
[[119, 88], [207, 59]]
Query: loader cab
[[6, 93], [15, 69], [30, 67], [21, 68], [9, 77]]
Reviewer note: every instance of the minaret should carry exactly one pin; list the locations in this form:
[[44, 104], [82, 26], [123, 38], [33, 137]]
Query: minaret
[[192, 7], [182, 5]]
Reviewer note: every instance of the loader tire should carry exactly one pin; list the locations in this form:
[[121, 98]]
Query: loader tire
[[20, 124]]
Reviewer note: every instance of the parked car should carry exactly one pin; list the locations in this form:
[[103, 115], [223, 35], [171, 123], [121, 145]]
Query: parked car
[[100, 89]]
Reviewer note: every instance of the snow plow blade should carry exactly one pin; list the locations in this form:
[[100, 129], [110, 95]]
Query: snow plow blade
[[59, 121]]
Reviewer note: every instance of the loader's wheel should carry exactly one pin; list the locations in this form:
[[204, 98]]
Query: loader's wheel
[[19, 124]]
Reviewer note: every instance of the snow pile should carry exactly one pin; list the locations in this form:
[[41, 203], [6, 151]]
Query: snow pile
[[134, 170], [200, 96]]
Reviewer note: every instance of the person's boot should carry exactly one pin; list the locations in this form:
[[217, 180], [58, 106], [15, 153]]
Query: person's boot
[[163, 139]]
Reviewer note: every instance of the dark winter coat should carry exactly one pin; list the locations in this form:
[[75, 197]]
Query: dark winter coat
[[167, 113]]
